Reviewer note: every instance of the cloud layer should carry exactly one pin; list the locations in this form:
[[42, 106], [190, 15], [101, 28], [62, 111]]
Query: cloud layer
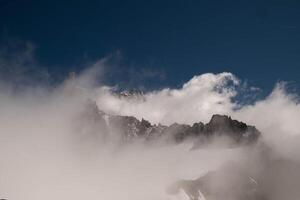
[[197, 100], [43, 157]]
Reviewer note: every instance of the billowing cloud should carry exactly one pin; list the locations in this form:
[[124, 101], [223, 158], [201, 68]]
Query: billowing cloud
[[43, 157], [197, 100]]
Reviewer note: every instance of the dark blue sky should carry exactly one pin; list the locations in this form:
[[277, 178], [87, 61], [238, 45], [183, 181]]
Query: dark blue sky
[[256, 40]]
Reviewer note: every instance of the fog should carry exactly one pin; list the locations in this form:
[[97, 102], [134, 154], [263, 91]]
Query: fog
[[44, 156]]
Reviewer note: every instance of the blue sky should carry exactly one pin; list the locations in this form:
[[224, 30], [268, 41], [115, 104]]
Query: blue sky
[[169, 41]]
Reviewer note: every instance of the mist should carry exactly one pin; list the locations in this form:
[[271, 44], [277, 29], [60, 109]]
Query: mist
[[44, 154]]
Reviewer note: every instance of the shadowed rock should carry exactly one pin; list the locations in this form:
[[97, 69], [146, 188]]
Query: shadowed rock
[[129, 128]]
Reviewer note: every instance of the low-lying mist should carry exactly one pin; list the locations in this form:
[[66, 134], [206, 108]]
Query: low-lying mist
[[43, 157], [44, 153]]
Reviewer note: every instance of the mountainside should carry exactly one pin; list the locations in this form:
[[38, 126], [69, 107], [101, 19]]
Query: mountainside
[[129, 128], [212, 186], [276, 179]]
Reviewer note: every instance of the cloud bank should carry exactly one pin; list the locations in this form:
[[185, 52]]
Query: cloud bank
[[197, 100], [43, 157]]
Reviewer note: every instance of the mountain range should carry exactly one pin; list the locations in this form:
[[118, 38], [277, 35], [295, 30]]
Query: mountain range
[[232, 181], [130, 129]]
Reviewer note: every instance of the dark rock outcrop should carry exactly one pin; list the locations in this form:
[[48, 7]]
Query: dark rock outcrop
[[129, 128], [220, 125]]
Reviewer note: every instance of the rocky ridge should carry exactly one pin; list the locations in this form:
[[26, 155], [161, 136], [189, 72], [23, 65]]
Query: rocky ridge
[[129, 128], [125, 129]]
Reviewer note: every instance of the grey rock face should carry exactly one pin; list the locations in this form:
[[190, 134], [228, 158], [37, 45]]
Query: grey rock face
[[129, 128], [239, 131]]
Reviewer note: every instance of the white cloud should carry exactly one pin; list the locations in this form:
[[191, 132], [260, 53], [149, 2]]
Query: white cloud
[[276, 116], [197, 100], [41, 157]]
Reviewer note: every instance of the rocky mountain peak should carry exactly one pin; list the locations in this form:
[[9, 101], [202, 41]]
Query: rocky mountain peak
[[130, 128], [132, 94]]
